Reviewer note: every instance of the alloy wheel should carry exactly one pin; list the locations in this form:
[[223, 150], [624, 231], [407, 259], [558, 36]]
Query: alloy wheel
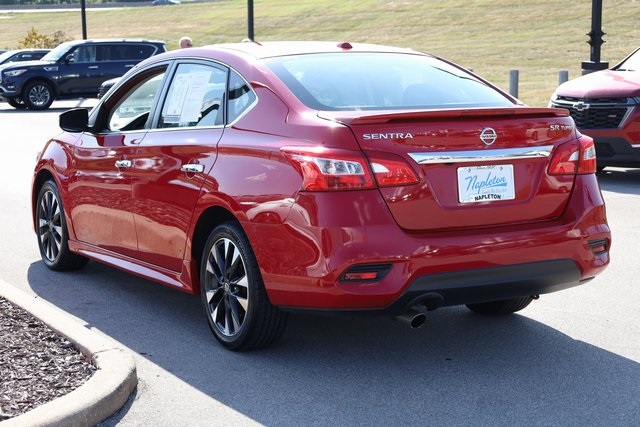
[[226, 287], [50, 226], [39, 95]]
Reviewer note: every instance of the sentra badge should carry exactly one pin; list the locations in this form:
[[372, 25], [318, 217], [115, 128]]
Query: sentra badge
[[394, 135]]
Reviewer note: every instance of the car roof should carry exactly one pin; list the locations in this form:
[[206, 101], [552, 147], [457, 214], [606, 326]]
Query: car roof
[[114, 40], [29, 50], [260, 50]]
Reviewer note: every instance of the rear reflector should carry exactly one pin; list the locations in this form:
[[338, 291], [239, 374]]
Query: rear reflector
[[599, 247], [365, 273]]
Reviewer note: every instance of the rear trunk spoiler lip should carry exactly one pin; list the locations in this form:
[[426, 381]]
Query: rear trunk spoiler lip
[[386, 116]]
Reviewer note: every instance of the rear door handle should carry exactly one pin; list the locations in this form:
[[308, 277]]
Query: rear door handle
[[192, 168], [123, 163], [93, 67]]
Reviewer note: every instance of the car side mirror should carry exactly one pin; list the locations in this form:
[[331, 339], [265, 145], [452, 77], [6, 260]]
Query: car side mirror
[[69, 59], [75, 120]]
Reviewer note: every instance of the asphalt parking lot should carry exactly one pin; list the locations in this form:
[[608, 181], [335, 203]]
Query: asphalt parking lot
[[571, 358]]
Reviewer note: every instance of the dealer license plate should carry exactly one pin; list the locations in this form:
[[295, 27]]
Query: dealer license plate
[[485, 183]]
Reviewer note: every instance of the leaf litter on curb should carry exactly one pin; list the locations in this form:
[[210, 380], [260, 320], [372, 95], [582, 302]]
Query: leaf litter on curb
[[36, 364]]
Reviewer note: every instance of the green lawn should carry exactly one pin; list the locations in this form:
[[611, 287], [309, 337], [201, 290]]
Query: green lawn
[[538, 37]]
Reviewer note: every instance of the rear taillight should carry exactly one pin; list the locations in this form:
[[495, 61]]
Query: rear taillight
[[588, 163], [575, 157], [391, 170], [324, 169]]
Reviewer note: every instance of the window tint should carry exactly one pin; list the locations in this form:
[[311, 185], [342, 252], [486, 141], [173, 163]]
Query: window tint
[[84, 54], [240, 96], [30, 56], [132, 111], [124, 52], [195, 97], [370, 81]]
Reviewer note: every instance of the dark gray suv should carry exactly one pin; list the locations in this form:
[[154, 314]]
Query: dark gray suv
[[74, 69]]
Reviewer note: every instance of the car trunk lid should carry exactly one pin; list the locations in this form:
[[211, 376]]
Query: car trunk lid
[[477, 167]]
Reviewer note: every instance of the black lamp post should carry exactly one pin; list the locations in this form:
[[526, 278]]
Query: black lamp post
[[83, 13], [595, 40], [250, 19]]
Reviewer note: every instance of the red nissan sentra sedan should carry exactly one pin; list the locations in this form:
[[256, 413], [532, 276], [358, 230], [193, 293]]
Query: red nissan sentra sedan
[[322, 176]]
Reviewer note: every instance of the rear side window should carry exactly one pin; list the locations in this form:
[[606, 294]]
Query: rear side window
[[123, 52], [240, 95], [377, 81], [195, 97]]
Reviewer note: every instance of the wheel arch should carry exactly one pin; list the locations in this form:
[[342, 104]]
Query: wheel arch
[[41, 177], [209, 219], [40, 79]]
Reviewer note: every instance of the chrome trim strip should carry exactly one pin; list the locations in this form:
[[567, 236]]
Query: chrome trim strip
[[481, 155]]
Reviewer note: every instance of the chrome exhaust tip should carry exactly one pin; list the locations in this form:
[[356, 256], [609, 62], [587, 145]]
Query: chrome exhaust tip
[[413, 317]]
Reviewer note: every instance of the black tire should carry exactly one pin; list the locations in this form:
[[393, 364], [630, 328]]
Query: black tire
[[234, 299], [17, 103], [52, 231], [38, 95], [498, 308]]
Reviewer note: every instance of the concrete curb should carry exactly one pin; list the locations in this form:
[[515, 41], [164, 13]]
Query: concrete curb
[[102, 395]]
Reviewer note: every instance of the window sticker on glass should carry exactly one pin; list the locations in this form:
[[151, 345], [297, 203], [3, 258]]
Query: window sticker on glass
[[186, 96]]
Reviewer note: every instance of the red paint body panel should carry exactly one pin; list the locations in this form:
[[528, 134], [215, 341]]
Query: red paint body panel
[[328, 243], [148, 218]]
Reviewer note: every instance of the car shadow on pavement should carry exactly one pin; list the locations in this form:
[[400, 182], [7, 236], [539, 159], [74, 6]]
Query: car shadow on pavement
[[459, 369]]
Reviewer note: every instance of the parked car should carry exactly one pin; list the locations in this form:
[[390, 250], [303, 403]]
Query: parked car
[[21, 55], [106, 85], [327, 177], [164, 2], [72, 70], [606, 106]]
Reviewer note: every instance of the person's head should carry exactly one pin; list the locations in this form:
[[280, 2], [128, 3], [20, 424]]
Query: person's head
[[185, 42]]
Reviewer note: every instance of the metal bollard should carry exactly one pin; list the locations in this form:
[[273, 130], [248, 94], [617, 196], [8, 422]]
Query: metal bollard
[[563, 76], [513, 83]]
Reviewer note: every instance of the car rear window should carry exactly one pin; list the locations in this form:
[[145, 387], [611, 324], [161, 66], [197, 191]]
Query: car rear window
[[378, 81]]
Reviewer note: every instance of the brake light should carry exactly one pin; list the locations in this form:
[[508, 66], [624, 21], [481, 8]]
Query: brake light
[[391, 170], [575, 157], [588, 161], [325, 169]]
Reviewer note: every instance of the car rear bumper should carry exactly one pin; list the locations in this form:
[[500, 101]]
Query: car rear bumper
[[488, 284], [304, 261], [433, 291]]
